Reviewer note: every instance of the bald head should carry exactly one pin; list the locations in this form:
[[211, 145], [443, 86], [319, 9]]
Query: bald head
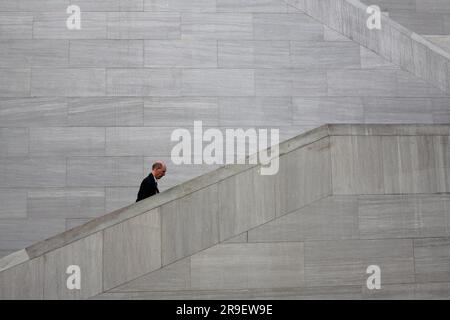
[[159, 169]]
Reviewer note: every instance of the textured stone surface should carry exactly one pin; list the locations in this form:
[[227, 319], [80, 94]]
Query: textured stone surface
[[402, 216], [392, 110], [255, 111], [14, 142], [246, 266], [138, 244], [134, 62], [308, 172], [218, 82], [85, 253], [33, 6], [13, 203], [317, 293], [104, 171], [394, 42], [254, 54], [323, 110], [243, 237], [441, 41], [105, 111], [16, 25], [180, 5], [71, 203], [12, 259], [143, 82], [251, 6], [51, 25], [345, 262], [73, 223], [268, 26], [175, 276], [32, 172], [362, 83], [106, 53], [245, 201], [331, 218], [23, 282], [34, 53], [391, 165], [216, 26], [432, 259], [68, 82], [67, 141], [290, 82], [410, 165], [143, 25], [189, 224], [16, 234], [316, 243], [33, 112], [180, 53], [15, 83], [180, 191], [180, 111], [119, 197], [325, 55], [178, 173], [111, 5]]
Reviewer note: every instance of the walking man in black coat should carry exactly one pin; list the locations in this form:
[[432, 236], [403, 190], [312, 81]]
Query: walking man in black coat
[[149, 185]]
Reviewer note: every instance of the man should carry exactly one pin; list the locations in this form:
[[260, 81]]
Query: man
[[149, 185]]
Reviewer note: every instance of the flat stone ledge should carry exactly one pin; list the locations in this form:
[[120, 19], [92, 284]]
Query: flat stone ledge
[[430, 45], [13, 259]]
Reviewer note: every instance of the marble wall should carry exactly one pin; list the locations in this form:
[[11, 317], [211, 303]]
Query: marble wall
[[84, 113]]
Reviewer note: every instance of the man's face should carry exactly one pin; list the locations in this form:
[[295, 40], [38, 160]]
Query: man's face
[[160, 172]]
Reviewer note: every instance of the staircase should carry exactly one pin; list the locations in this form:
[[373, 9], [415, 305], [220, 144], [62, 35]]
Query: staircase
[[346, 197], [83, 114], [394, 42], [368, 189]]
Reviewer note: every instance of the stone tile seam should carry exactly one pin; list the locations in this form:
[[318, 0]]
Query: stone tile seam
[[280, 288], [231, 290]]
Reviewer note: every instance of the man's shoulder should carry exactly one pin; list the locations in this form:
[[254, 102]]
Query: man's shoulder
[[150, 179], [146, 179]]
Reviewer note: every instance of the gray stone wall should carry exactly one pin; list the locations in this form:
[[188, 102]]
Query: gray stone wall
[[83, 114], [347, 197], [427, 17]]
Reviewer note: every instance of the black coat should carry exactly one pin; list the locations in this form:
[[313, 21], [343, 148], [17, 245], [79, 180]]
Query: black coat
[[148, 188]]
